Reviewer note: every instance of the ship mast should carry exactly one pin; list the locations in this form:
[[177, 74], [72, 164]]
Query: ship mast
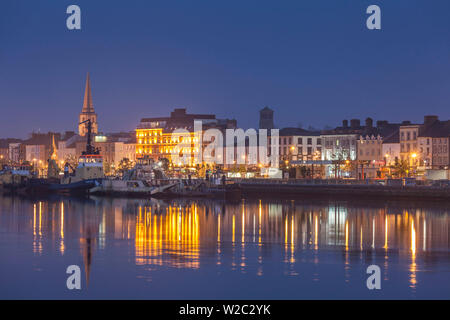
[[89, 147]]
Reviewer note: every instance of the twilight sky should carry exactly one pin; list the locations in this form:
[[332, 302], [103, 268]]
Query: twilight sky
[[313, 61]]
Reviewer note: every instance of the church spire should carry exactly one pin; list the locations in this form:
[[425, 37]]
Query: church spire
[[88, 111], [88, 107]]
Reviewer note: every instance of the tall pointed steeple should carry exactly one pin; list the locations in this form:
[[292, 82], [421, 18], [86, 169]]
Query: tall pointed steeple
[[88, 107], [88, 111]]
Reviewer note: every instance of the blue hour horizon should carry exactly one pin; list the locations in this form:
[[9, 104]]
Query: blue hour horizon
[[149, 58]]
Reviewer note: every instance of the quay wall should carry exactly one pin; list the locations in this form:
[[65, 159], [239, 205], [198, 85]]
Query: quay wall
[[343, 190]]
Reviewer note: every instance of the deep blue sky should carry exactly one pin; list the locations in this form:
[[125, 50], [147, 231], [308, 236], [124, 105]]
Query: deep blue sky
[[314, 62]]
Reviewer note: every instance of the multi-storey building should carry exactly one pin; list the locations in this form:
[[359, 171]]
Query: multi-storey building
[[370, 156], [116, 147], [409, 149], [434, 143], [158, 138], [299, 144], [37, 149], [356, 149], [7, 151], [4, 151], [391, 149], [14, 152]]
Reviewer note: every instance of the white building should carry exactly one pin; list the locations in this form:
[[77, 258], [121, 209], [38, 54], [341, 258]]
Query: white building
[[299, 144]]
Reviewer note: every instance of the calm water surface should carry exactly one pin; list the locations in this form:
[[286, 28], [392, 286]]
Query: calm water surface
[[201, 249]]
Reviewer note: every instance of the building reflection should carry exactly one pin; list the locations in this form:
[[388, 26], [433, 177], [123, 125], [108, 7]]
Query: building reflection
[[239, 236]]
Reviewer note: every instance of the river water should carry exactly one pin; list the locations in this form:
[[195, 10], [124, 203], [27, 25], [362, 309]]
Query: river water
[[204, 249]]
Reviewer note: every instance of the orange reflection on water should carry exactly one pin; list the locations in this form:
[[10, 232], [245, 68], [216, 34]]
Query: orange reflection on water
[[170, 233], [413, 267], [61, 231], [176, 246]]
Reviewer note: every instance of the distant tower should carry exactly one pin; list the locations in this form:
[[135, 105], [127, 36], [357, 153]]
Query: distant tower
[[53, 150], [52, 168], [266, 118], [88, 111]]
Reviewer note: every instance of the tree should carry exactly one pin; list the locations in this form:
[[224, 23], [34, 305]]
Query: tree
[[106, 168], [401, 168], [124, 165]]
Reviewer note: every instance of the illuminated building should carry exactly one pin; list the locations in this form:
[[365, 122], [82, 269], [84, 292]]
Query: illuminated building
[[157, 138], [408, 141], [300, 144], [116, 147]]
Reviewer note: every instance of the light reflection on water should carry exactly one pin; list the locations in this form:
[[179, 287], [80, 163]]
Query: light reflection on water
[[270, 240]]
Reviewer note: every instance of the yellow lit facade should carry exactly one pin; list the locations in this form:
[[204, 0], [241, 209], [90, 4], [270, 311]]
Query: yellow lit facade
[[156, 144]]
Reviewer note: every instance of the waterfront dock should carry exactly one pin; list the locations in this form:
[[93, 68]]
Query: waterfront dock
[[340, 188]]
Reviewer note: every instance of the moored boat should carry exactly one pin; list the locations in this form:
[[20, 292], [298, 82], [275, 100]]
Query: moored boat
[[136, 188]]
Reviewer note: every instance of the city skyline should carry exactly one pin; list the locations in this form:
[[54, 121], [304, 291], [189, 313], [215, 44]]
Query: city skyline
[[222, 158], [288, 57]]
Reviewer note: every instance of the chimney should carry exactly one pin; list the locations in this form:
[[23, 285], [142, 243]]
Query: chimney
[[369, 122], [382, 123], [427, 120], [345, 123], [355, 123]]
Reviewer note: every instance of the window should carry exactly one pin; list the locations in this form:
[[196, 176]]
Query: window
[[309, 150], [300, 141], [319, 141], [408, 135], [309, 140]]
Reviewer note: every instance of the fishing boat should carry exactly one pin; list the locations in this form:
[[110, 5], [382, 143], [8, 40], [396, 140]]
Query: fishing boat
[[134, 188], [84, 177], [88, 172], [146, 179], [13, 179]]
